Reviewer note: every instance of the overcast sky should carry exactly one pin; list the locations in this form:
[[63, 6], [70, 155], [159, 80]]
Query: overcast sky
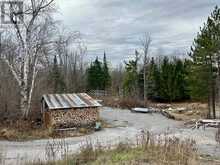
[[116, 26]]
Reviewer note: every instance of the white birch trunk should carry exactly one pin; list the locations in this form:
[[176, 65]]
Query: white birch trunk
[[24, 85], [29, 34], [32, 86]]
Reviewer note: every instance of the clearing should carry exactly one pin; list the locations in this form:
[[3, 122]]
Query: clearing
[[126, 126]]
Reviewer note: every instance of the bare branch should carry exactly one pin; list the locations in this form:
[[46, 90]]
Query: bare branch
[[12, 71]]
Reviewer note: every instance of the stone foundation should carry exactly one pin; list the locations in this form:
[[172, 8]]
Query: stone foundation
[[85, 117]]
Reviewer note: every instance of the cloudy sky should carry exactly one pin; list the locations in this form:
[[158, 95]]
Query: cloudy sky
[[117, 26]]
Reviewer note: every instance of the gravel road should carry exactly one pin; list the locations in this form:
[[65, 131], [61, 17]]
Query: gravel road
[[127, 126]]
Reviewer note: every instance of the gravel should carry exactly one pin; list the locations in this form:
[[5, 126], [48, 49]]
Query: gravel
[[126, 125]]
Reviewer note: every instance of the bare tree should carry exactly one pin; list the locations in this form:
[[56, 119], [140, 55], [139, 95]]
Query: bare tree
[[117, 80], [33, 36], [71, 51], [145, 42]]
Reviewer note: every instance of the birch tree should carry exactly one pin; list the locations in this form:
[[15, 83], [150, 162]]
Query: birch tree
[[34, 36]]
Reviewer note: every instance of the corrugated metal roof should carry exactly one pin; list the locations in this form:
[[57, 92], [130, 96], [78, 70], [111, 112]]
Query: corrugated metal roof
[[67, 101]]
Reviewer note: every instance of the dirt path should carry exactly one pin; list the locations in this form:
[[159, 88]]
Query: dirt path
[[127, 126]]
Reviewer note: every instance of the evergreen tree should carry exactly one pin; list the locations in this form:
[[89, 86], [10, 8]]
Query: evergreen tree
[[153, 80], [130, 82], [205, 56], [168, 82], [165, 80], [106, 75], [95, 76], [180, 84]]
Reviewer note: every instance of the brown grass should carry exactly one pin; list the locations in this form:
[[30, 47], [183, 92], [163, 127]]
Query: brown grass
[[147, 149], [196, 110], [125, 103], [21, 130]]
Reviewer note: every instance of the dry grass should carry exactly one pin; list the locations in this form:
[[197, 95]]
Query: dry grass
[[147, 149], [196, 110], [22, 130], [124, 103], [28, 130]]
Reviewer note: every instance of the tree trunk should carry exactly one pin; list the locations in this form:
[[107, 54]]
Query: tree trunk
[[209, 106], [213, 98], [145, 88], [24, 83], [24, 103]]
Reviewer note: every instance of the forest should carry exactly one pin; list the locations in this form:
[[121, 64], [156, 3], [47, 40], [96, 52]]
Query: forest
[[48, 65], [109, 82]]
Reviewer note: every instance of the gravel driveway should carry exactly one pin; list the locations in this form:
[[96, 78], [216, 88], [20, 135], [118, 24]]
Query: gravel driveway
[[127, 126]]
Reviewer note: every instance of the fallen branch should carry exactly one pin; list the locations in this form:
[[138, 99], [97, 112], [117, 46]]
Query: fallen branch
[[207, 123]]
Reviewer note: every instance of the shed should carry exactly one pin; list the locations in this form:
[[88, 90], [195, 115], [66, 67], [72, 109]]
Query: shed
[[69, 110]]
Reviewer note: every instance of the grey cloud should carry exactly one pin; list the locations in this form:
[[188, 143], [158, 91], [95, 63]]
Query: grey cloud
[[116, 26]]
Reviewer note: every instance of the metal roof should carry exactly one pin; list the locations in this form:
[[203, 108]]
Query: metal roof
[[67, 101]]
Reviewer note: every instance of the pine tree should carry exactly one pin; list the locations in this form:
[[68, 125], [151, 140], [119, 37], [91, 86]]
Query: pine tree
[[95, 76], [106, 75], [180, 84], [165, 79], [152, 80], [130, 82], [172, 80], [205, 56]]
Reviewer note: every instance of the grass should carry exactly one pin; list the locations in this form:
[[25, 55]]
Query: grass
[[124, 103], [147, 149], [16, 135], [26, 130], [196, 110], [22, 130]]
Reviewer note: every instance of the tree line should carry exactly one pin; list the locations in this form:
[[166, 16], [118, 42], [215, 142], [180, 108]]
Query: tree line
[[41, 62]]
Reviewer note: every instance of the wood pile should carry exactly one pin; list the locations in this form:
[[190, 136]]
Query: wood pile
[[74, 118]]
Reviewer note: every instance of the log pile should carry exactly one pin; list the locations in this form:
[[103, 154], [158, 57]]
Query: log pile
[[74, 118], [207, 123]]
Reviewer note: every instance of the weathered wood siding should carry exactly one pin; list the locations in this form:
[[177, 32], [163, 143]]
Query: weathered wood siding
[[71, 118]]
